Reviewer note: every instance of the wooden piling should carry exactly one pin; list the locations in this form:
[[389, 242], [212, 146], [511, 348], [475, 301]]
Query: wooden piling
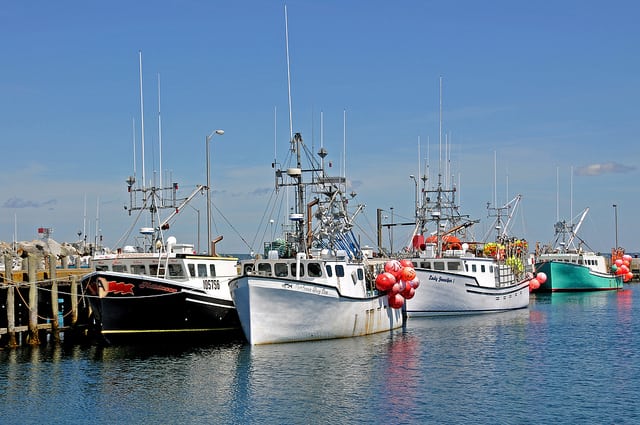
[[32, 269], [55, 325], [11, 304], [74, 300]]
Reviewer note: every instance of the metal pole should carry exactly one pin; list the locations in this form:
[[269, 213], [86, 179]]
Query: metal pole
[[391, 242], [207, 141], [615, 209]]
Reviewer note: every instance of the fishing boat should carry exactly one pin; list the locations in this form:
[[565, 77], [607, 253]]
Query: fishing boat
[[569, 267], [159, 287], [314, 283], [459, 275]]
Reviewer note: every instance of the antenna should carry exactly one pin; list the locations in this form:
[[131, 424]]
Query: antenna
[[275, 135], [440, 130], [142, 119], [419, 158], [160, 136], [84, 220], [344, 146], [571, 197], [495, 179], [557, 194], [286, 26], [133, 126], [321, 129]]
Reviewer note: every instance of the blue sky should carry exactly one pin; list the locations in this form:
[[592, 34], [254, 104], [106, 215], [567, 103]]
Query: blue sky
[[539, 99]]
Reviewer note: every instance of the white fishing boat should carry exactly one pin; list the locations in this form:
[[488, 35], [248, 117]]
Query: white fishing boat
[[313, 284], [459, 275]]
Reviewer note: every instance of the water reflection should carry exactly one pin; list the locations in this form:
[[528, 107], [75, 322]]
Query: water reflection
[[574, 356]]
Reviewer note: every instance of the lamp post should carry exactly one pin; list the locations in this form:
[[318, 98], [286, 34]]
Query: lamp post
[[207, 140], [391, 231], [615, 210]]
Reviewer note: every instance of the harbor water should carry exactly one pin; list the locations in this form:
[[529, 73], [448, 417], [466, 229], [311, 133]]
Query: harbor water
[[568, 358]]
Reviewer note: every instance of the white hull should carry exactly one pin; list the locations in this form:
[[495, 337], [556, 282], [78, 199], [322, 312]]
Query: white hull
[[274, 310], [442, 293]]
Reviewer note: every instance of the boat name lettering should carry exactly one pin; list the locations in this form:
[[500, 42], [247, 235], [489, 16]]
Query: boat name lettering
[[440, 279], [311, 289], [211, 284], [155, 286]]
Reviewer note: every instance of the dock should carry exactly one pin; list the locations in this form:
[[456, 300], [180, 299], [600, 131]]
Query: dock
[[41, 303]]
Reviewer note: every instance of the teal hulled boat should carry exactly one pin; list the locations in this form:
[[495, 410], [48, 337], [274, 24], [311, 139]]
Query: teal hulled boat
[[576, 272], [569, 268]]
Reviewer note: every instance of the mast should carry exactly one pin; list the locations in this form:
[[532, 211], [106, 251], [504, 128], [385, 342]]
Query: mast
[[160, 138], [440, 131], [142, 120], [286, 31]]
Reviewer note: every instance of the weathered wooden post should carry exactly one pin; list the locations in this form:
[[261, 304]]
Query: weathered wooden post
[[11, 302], [32, 270], [74, 300], [55, 325]]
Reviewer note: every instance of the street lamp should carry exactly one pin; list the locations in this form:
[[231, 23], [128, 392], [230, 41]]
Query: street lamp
[[207, 140], [391, 231], [615, 210]]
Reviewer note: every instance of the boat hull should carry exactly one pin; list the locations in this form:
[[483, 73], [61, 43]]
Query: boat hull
[[273, 310], [443, 294], [135, 305], [564, 276]]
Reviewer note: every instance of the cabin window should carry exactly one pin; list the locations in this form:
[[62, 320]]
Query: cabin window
[[426, 265], [339, 270], [175, 270], [482, 268], [153, 270], [360, 274], [454, 265], [120, 268], [466, 267], [138, 269], [329, 271], [102, 268], [293, 269], [314, 270], [248, 268], [212, 270], [473, 268], [281, 269], [490, 269], [415, 264], [264, 268], [202, 270], [438, 265], [192, 270]]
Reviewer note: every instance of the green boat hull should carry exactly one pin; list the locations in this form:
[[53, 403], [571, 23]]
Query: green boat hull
[[562, 276]]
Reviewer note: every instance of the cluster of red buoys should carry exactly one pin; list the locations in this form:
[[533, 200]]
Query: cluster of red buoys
[[399, 281], [535, 282], [621, 267]]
